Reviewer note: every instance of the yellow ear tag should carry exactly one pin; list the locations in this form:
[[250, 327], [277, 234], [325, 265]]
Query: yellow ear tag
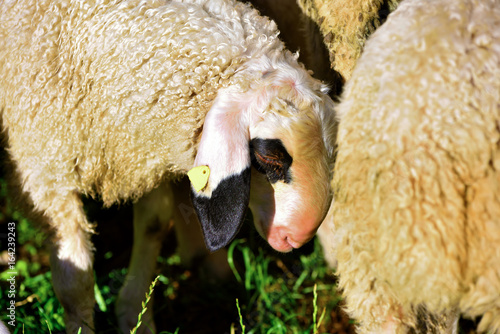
[[199, 177]]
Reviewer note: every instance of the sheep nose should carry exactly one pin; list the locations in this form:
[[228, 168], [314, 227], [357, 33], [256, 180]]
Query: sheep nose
[[293, 243], [284, 241], [281, 245]]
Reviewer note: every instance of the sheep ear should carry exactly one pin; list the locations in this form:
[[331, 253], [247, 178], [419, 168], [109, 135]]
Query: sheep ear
[[222, 201]]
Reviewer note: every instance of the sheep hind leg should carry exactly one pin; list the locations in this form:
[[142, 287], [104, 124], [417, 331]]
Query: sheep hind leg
[[152, 221], [71, 261]]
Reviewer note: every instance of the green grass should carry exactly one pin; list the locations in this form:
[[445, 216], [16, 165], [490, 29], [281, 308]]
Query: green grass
[[36, 304], [280, 299]]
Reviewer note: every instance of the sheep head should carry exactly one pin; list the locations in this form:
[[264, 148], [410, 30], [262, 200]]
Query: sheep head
[[269, 147]]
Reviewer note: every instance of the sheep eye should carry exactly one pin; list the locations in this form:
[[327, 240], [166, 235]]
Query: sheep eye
[[271, 158]]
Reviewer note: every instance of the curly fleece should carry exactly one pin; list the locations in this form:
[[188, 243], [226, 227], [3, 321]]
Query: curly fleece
[[417, 176]]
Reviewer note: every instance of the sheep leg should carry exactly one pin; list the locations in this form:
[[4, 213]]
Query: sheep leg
[[191, 246], [152, 221], [71, 261]]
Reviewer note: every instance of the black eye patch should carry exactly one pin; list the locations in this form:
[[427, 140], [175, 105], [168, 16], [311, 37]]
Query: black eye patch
[[270, 157]]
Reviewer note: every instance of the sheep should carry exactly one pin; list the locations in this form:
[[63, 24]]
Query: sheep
[[115, 99], [416, 178]]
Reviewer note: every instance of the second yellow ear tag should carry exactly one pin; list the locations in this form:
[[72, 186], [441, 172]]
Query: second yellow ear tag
[[199, 177]]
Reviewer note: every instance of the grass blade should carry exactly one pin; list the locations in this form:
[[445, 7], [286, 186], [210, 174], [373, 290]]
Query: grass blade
[[241, 318], [144, 303]]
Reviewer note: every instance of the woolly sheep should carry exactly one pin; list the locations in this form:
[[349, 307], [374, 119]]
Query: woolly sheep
[[417, 187], [110, 98]]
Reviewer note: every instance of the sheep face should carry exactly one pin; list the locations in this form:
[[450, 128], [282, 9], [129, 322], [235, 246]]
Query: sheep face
[[277, 139]]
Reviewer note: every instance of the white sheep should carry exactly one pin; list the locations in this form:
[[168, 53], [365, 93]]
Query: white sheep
[[109, 98], [416, 180]]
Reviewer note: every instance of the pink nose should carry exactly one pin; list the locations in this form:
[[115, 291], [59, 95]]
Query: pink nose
[[281, 245], [283, 241]]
